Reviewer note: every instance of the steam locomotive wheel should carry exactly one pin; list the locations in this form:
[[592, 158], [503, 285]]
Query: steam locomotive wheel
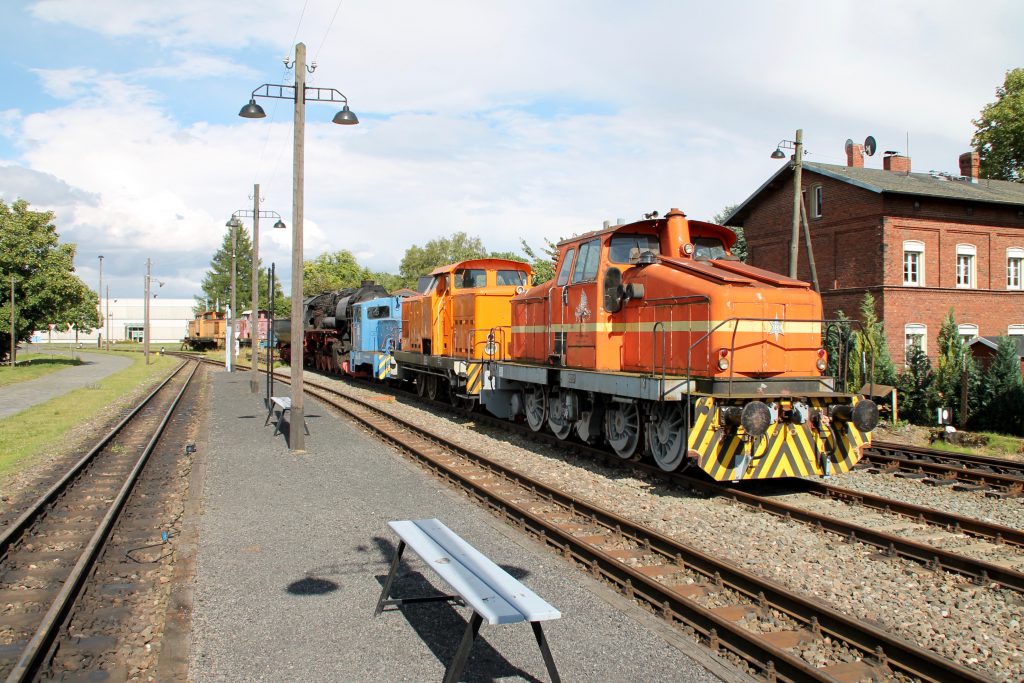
[[558, 421], [421, 384], [536, 405], [622, 428], [666, 435]]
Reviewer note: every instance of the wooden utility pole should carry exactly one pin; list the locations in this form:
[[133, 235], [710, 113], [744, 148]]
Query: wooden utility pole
[[232, 311], [794, 239], [99, 298], [254, 316], [13, 345], [296, 429], [145, 308]]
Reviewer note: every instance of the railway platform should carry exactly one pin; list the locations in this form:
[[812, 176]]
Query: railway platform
[[292, 551]]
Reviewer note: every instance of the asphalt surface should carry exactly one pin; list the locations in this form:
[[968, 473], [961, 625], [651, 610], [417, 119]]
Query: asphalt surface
[[293, 550], [15, 398]]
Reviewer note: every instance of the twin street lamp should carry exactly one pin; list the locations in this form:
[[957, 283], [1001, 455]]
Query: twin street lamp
[[798, 157], [299, 94], [234, 224]]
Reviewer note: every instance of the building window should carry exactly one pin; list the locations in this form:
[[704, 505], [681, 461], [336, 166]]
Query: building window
[[1014, 268], [913, 263], [915, 334], [965, 275], [967, 332], [1015, 330], [816, 201]]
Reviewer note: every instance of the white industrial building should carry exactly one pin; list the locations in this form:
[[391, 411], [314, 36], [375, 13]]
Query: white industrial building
[[168, 323]]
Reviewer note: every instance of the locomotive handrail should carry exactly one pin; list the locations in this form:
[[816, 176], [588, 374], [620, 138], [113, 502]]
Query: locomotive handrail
[[687, 300], [502, 344]]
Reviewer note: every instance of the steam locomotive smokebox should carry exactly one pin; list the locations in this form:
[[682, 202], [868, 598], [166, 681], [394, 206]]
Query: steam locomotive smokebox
[[282, 328]]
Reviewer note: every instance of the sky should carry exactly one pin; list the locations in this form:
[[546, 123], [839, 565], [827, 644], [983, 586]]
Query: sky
[[504, 119]]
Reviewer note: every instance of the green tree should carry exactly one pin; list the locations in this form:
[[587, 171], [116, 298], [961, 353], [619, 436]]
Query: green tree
[[871, 348], [839, 343], [332, 271], [82, 310], [419, 260], [954, 367], [216, 283], [543, 264], [999, 134], [46, 290], [739, 250], [1002, 408], [916, 388]]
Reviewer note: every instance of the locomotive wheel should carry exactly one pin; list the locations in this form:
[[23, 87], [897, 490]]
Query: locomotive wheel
[[535, 402], [591, 424], [421, 384], [432, 383], [622, 428], [666, 435], [558, 421], [454, 398]]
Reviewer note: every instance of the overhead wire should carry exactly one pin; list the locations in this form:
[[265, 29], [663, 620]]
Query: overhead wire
[[328, 31]]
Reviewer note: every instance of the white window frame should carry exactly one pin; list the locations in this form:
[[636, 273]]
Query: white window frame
[[1015, 330], [913, 247], [915, 329], [967, 331], [817, 197], [1015, 268], [970, 254]]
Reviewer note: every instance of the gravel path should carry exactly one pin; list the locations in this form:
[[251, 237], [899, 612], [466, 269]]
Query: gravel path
[[978, 626]]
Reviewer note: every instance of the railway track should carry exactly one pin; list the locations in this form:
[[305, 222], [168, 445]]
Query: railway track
[[773, 631], [996, 476], [50, 552]]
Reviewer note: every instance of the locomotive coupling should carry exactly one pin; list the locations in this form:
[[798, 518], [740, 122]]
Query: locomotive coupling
[[755, 417], [864, 415]]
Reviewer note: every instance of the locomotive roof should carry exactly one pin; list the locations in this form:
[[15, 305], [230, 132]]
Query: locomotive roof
[[482, 263], [656, 225]]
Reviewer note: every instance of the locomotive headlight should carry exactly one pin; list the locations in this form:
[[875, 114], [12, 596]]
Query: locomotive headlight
[[490, 348], [723, 359], [688, 249], [822, 362]]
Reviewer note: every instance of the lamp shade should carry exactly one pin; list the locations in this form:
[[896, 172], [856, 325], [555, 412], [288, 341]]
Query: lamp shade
[[279, 225], [252, 111], [778, 154], [345, 117]]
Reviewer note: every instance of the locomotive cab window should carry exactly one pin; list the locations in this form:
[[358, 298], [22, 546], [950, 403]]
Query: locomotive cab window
[[439, 285], [707, 248], [471, 278], [563, 272], [377, 312], [586, 265], [627, 248], [514, 278]]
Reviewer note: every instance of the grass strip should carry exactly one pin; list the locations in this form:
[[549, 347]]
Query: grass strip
[[33, 366], [37, 430]]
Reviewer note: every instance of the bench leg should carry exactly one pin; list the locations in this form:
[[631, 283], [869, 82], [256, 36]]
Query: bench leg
[[269, 414], [549, 661], [462, 654], [386, 591]]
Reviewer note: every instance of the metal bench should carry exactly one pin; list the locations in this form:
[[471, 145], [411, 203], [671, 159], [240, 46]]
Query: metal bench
[[493, 593], [282, 404]]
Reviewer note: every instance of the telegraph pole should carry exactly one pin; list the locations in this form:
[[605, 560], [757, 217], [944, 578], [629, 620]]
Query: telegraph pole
[[233, 311], [145, 324], [99, 298], [12, 321], [296, 429], [254, 315], [794, 240]]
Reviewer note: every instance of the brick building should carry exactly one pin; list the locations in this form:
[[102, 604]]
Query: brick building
[[921, 243]]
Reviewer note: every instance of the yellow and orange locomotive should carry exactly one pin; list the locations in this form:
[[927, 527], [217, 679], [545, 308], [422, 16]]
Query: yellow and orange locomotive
[[652, 337]]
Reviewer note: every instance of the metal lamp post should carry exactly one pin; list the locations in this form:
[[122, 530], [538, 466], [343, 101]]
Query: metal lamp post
[[256, 215], [798, 158], [99, 299], [300, 94]]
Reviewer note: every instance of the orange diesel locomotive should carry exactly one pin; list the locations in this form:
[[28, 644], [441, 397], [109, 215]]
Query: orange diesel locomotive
[[653, 338]]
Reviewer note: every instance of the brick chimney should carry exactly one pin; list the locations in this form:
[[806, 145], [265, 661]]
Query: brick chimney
[[897, 163], [970, 165], [855, 156]]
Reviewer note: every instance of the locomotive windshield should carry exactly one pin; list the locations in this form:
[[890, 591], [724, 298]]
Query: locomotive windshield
[[626, 248], [707, 248], [514, 278], [470, 278]]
